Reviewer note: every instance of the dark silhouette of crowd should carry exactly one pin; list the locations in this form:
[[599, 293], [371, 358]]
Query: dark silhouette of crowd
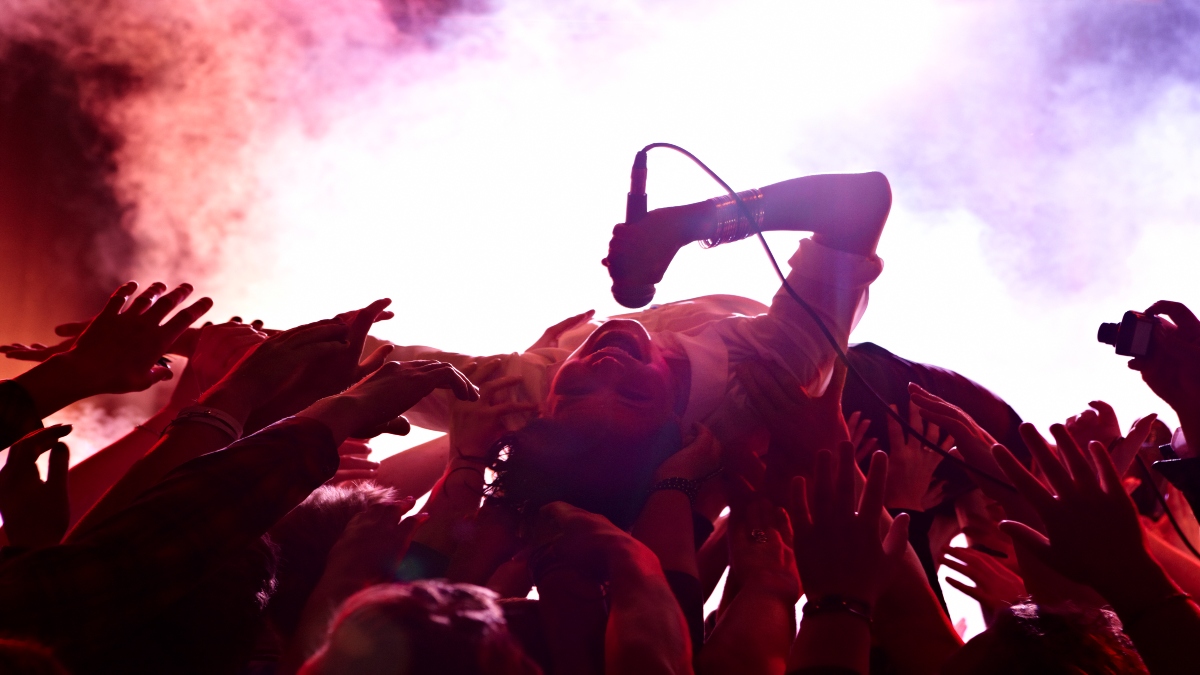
[[594, 490]]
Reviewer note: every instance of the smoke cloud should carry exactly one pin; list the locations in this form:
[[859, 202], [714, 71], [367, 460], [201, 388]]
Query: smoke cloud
[[468, 158]]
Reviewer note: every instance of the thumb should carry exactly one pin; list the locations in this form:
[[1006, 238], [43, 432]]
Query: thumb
[[396, 427], [60, 461]]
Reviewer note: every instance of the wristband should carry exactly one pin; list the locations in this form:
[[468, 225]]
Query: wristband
[[732, 223], [218, 419], [836, 604]]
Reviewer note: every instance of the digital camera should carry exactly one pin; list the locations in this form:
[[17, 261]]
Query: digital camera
[[1134, 336]]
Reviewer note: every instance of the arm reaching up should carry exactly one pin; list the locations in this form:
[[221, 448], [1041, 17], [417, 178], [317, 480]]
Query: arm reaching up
[[1093, 537]]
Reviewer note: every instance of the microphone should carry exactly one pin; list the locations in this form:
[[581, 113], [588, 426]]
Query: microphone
[[629, 294]]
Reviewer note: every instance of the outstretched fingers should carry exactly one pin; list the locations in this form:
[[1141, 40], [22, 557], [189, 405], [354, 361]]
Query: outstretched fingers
[[1026, 482], [1055, 472], [29, 448]]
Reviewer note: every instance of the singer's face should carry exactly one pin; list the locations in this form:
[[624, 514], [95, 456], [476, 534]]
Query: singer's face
[[616, 383]]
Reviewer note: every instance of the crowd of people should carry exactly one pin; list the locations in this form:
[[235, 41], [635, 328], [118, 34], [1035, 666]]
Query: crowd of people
[[592, 491]]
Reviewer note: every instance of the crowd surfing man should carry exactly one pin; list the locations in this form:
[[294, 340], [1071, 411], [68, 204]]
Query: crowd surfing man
[[242, 529]]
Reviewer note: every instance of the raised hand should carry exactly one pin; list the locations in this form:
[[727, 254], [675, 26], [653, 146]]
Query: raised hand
[[1097, 423], [39, 352], [119, 351], [553, 333], [374, 405], [838, 548], [354, 462], [864, 445], [995, 586], [475, 425], [799, 424], [697, 460], [217, 350], [1172, 371], [36, 513], [264, 373], [335, 370], [911, 464], [1095, 537], [760, 542]]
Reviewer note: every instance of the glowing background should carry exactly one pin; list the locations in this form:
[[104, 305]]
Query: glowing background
[[295, 159]]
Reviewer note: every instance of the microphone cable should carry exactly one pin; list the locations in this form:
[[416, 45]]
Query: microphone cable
[[812, 313]]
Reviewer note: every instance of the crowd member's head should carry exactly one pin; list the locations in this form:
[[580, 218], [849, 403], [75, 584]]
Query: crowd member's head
[[429, 627], [212, 629], [304, 538], [1028, 639]]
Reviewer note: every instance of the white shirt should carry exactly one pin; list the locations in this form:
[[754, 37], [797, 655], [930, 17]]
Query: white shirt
[[714, 333]]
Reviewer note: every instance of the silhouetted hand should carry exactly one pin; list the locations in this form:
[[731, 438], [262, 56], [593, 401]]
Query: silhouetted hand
[[1172, 371], [118, 352], [475, 425], [911, 464], [36, 513], [1098, 423], [374, 405], [760, 550], [1094, 534], [337, 369], [354, 462], [700, 458], [39, 352], [838, 548], [799, 424], [274, 365], [218, 349], [995, 586], [553, 333], [864, 445]]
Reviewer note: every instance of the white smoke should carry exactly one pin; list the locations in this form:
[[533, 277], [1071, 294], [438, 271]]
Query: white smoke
[[299, 157]]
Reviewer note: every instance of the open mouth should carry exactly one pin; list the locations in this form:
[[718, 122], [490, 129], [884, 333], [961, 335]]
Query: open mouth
[[618, 341]]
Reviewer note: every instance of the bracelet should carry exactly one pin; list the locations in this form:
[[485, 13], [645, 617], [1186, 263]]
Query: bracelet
[[1155, 606], [218, 419], [732, 223], [835, 604], [687, 486]]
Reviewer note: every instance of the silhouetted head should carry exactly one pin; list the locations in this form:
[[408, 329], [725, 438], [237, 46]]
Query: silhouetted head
[[617, 385], [427, 627], [1027, 639], [304, 538]]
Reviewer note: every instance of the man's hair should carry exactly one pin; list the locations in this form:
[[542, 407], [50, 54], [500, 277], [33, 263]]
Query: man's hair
[[429, 626], [304, 538], [549, 461], [1031, 639]]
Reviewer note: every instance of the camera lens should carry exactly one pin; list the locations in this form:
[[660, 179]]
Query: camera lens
[[1108, 333]]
